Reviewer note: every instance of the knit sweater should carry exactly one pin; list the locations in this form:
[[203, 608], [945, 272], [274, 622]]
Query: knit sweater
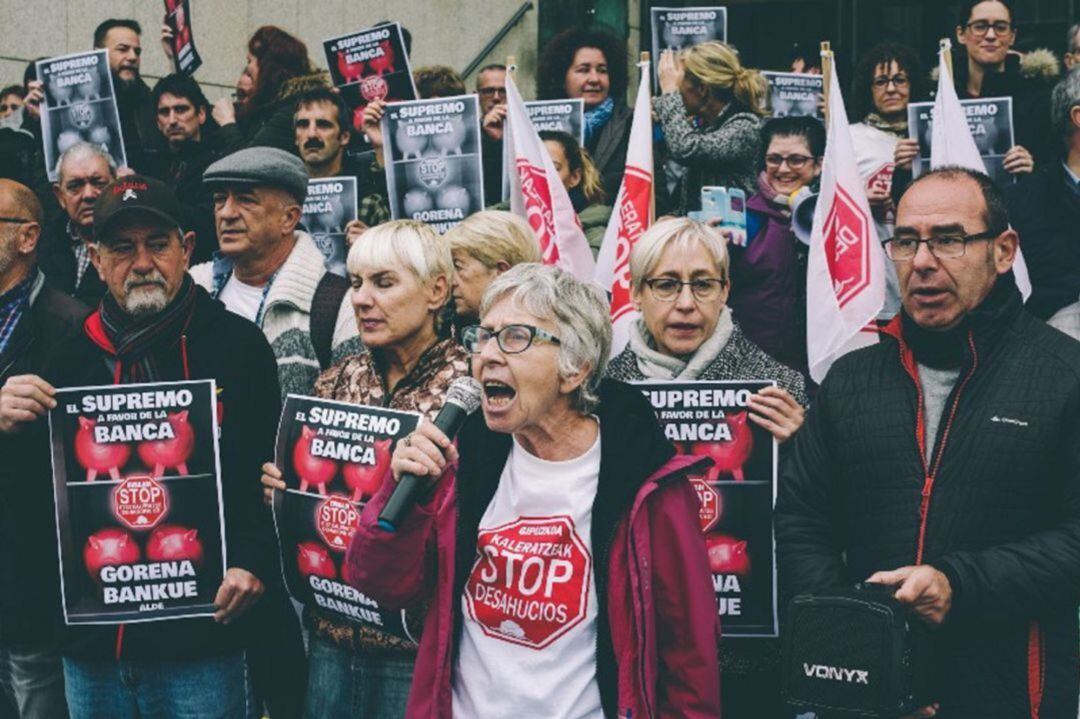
[[285, 317]]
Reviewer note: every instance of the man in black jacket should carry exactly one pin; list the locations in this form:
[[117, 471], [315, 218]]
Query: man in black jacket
[[155, 324], [121, 38], [34, 319], [945, 461]]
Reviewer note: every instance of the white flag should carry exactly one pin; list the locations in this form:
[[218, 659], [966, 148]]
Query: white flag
[[633, 214], [538, 195], [845, 281], [951, 143]]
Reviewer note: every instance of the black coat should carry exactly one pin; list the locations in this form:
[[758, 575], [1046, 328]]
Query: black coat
[[1002, 514], [30, 594], [608, 148], [227, 348], [138, 122], [56, 258], [1045, 211]]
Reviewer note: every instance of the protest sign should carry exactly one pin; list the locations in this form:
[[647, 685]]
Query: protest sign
[[370, 65], [178, 18], [329, 207], [680, 28], [736, 494], [990, 120], [80, 106], [551, 115], [432, 153], [333, 457], [136, 477], [795, 94]]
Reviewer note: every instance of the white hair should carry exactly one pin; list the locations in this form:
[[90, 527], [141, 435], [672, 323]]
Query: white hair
[[403, 243], [675, 232], [80, 149], [579, 312]]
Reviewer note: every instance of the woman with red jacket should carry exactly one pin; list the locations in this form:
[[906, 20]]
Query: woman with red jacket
[[558, 551]]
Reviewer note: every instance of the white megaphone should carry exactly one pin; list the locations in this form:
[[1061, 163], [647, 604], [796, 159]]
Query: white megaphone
[[803, 202]]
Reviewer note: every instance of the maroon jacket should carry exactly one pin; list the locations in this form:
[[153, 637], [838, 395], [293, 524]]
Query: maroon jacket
[[658, 624]]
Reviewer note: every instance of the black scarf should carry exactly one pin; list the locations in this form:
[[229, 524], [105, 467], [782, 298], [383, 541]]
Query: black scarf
[[145, 345]]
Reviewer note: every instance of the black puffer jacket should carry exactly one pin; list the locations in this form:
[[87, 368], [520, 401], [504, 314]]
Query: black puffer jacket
[[998, 512]]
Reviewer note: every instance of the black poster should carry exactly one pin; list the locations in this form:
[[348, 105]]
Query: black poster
[[329, 207], [991, 123], [680, 28], [333, 456], [795, 94], [562, 115], [138, 501], [711, 419], [178, 17], [370, 65], [433, 166], [80, 106]]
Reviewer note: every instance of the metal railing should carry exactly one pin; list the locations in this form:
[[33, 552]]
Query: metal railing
[[497, 38]]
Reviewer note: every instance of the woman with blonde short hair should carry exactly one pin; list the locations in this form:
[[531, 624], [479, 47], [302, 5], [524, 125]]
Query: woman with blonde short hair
[[482, 247], [710, 110], [400, 274]]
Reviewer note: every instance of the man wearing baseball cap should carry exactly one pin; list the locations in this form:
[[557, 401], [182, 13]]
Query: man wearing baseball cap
[[272, 273], [156, 325]]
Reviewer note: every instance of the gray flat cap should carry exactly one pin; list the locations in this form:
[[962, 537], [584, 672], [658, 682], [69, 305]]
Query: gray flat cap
[[265, 166]]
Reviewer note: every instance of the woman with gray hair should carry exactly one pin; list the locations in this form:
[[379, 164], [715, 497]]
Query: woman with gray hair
[[400, 274], [558, 544]]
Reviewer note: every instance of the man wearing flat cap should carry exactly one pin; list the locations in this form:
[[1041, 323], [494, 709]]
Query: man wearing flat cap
[[272, 273], [156, 325]]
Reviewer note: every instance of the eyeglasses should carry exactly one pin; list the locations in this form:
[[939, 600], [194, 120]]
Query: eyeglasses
[[981, 27], [795, 162], [944, 246], [512, 339], [668, 289], [489, 91], [15, 220], [881, 82]]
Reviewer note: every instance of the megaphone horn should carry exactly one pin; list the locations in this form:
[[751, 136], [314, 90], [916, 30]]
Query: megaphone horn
[[803, 204]]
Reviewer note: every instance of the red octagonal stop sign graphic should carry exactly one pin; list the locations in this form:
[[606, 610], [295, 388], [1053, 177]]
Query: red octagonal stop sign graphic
[[847, 247], [140, 502], [530, 584], [709, 503], [336, 519]]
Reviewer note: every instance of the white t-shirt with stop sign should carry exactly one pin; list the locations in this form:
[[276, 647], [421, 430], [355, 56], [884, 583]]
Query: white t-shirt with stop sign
[[528, 648]]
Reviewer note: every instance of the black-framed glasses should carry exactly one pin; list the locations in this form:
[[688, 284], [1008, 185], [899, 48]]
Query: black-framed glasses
[[668, 289], [491, 91], [947, 245], [16, 220], [981, 27], [795, 162], [883, 81], [512, 339]]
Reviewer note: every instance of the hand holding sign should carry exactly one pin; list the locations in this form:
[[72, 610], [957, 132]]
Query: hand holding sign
[[24, 398], [1018, 161], [238, 592]]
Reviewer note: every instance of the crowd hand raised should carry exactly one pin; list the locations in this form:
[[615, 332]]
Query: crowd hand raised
[[669, 71], [372, 123], [1018, 160], [423, 453], [777, 411], [271, 480], [34, 96], [493, 122], [906, 151], [237, 593], [353, 230], [922, 589], [224, 112], [879, 196], [166, 40], [24, 398]]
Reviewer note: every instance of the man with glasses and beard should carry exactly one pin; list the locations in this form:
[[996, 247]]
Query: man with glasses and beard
[[944, 462], [156, 325], [133, 100]]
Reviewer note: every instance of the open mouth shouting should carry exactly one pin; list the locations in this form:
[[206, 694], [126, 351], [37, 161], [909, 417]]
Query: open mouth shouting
[[498, 395]]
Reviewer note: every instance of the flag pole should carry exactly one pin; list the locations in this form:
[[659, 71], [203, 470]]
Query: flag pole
[[826, 73], [511, 64], [643, 59], [945, 45]]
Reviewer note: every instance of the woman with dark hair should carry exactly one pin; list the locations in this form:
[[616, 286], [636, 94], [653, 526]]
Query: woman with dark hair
[[591, 65], [279, 70]]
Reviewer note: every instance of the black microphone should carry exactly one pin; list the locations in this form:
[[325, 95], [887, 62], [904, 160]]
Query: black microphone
[[462, 399]]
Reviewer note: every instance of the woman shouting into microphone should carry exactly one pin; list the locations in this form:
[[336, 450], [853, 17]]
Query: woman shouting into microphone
[[559, 548]]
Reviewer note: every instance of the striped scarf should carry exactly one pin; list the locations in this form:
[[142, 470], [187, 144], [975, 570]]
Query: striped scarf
[[144, 344]]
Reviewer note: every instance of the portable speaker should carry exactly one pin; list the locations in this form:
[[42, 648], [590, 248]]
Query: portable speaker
[[855, 652]]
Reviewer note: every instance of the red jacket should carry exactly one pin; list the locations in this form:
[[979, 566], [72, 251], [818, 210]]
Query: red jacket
[[659, 606]]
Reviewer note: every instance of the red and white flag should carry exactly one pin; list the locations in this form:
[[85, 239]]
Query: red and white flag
[[537, 194], [633, 215], [845, 281], [951, 143]]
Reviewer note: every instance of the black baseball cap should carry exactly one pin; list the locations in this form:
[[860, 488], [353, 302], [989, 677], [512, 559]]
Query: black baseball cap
[[135, 193]]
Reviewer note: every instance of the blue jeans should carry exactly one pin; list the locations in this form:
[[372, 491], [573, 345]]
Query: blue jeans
[[34, 681], [342, 683], [204, 689]]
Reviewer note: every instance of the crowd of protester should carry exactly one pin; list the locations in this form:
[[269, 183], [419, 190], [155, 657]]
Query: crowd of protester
[[944, 461]]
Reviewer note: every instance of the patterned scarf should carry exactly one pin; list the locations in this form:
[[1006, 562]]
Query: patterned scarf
[[654, 364], [896, 127], [144, 344], [596, 118]]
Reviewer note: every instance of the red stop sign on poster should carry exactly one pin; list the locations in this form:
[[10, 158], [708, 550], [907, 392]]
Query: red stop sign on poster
[[336, 519], [709, 507], [140, 502]]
